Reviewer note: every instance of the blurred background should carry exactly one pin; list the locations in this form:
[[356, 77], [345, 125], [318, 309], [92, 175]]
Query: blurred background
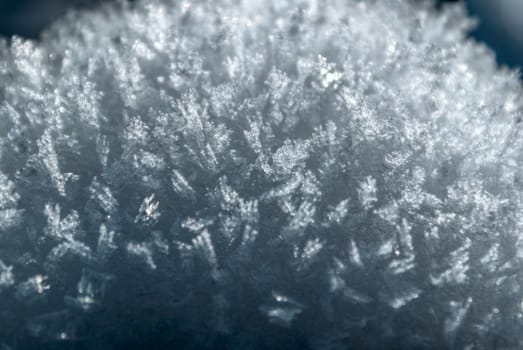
[[27, 18], [500, 26]]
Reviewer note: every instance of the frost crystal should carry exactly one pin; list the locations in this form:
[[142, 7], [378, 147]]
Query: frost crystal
[[6, 276], [32, 289], [271, 174], [148, 212]]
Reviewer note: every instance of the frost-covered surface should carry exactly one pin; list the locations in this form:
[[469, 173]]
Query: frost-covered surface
[[260, 175]]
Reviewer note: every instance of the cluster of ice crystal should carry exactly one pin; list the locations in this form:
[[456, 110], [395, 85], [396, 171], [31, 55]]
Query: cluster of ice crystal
[[270, 174]]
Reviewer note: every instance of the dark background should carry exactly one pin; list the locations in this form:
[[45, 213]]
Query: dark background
[[500, 27], [27, 18], [501, 21]]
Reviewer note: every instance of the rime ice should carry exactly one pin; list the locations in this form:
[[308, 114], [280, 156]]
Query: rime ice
[[260, 175]]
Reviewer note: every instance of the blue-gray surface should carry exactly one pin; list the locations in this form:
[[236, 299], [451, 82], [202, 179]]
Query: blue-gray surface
[[261, 174]]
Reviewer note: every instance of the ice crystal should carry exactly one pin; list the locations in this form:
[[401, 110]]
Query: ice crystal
[[269, 174], [32, 289], [282, 309], [6, 275]]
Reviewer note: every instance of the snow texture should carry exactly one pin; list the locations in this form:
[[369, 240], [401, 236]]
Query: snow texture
[[260, 174]]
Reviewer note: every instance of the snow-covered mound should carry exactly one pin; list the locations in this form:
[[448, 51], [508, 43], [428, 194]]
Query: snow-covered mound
[[260, 174]]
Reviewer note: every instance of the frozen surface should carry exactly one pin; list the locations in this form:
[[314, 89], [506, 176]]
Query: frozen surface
[[260, 175]]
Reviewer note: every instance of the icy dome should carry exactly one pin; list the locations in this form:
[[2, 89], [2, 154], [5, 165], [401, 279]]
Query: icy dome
[[260, 174]]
